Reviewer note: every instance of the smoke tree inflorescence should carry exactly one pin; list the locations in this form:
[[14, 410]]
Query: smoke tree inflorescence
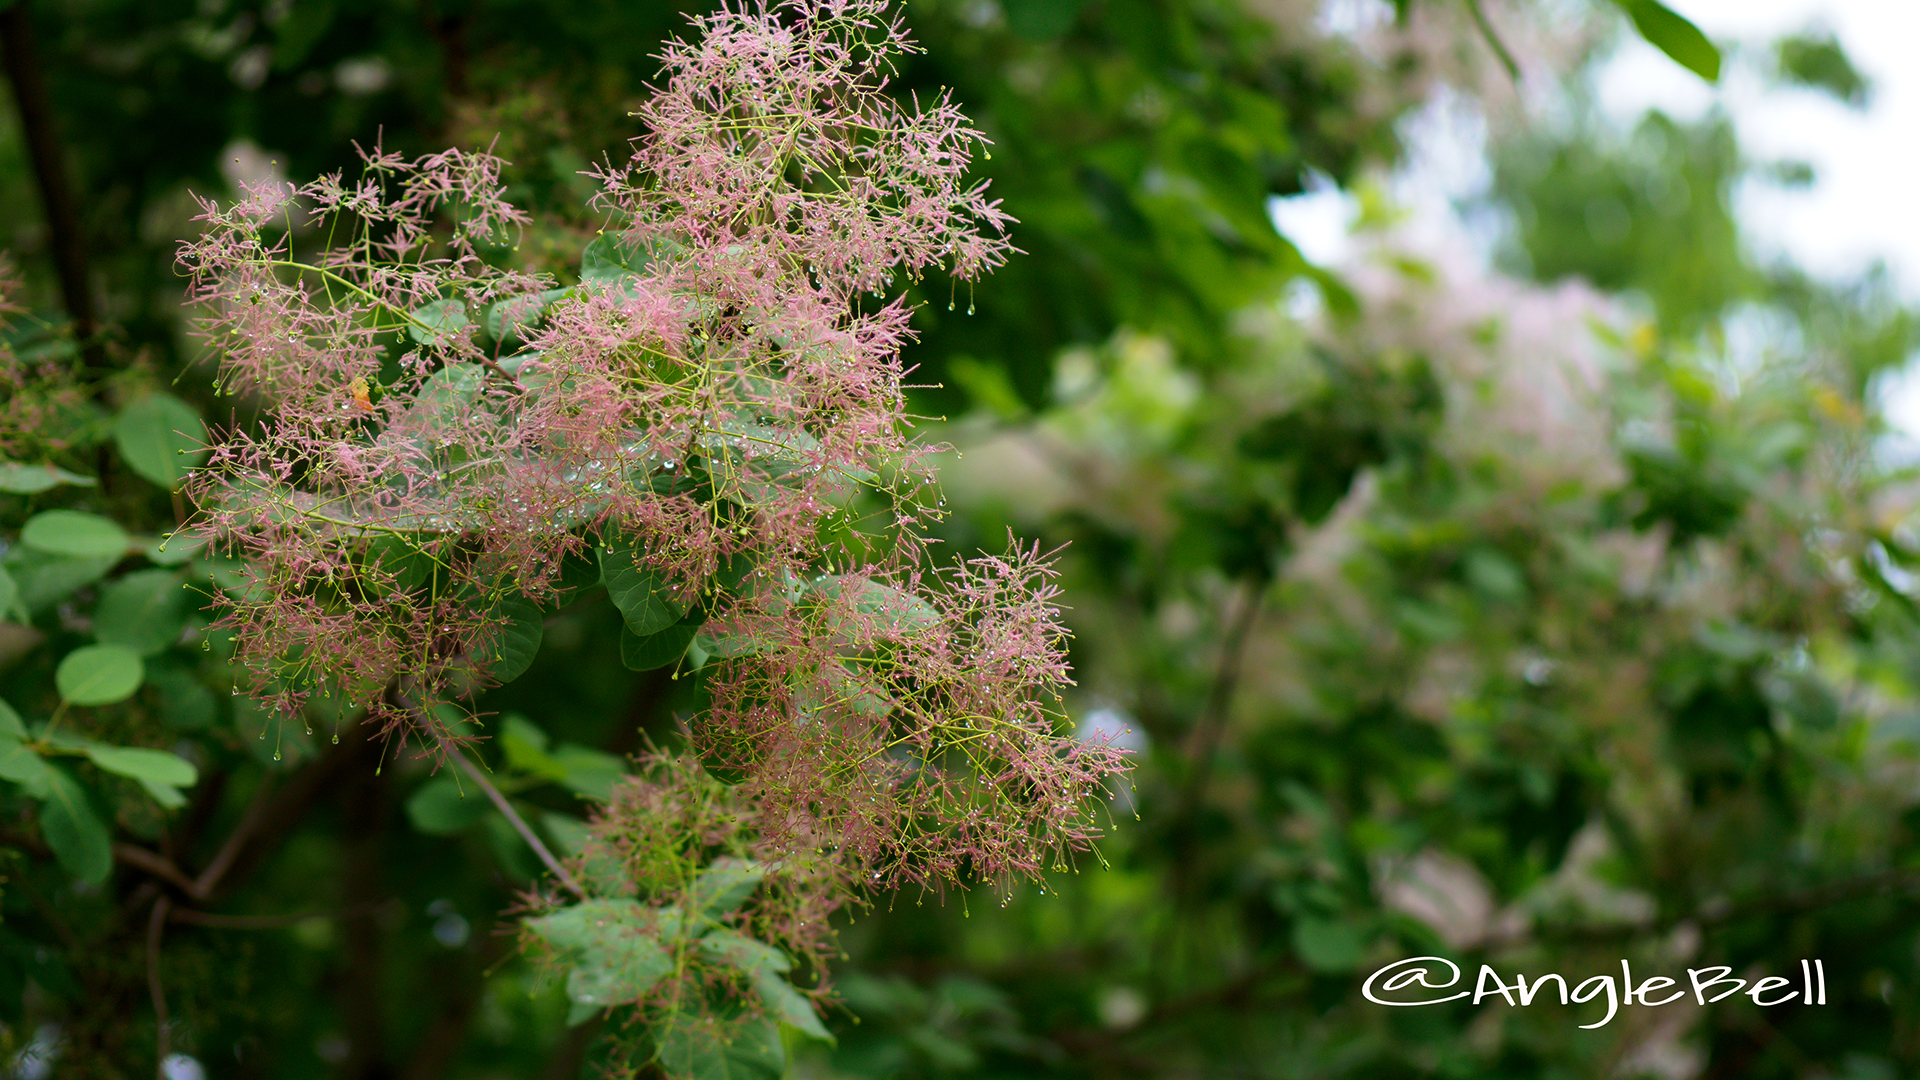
[[711, 425]]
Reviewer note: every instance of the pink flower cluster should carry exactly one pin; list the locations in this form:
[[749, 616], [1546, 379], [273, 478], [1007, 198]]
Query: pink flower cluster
[[723, 390]]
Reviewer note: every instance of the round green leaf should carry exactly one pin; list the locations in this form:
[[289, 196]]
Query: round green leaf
[[437, 321], [639, 593], [144, 611], [162, 437], [657, 650], [450, 392], [517, 640], [74, 534], [99, 675], [44, 579], [608, 257]]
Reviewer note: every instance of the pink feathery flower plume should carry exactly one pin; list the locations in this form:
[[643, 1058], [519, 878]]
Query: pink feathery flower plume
[[716, 409]]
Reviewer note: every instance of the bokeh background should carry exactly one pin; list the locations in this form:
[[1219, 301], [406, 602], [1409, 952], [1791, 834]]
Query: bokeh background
[[1486, 506]]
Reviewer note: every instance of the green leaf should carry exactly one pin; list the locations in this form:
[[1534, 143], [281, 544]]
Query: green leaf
[[789, 1005], [172, 551], [517, 640], [23, 765], [442, 808], [617, 948], [724, 646], [144, 611], [1671, 33], [449, 392], [568, 834], [744, 953], [32, 479], [588, 773], [525, 745], [437, 322], [707, 1047], [642, 596], [46, 579], [75, 535], [162, 437], [10, 722], [73, 830], [896, 609], [506, 317], [99, 675], [156, 766], [404, 561], [724, 886], [608, 257], [657, 650], [161, 773]]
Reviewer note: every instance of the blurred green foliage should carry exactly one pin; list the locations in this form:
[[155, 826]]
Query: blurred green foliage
[[1470, 616]]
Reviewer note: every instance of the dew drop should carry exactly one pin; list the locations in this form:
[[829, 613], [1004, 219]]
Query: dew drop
[[336, 738], [276, 757]]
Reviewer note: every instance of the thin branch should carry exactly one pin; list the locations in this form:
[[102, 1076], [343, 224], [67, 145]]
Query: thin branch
[[513, 816], [163, 1039], [1204, 742], [1202, 747], [223, 860], [1493, 39], [141, 859]]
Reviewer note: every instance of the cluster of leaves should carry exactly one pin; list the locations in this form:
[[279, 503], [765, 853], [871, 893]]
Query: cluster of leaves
[[59, 551], [684, 910]]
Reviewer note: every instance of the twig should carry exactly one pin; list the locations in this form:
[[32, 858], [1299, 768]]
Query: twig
[[1493, 39], [223, 860], [513, 816], [141, 859], [163, 1039], [1205, 740], [1202, 746]]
